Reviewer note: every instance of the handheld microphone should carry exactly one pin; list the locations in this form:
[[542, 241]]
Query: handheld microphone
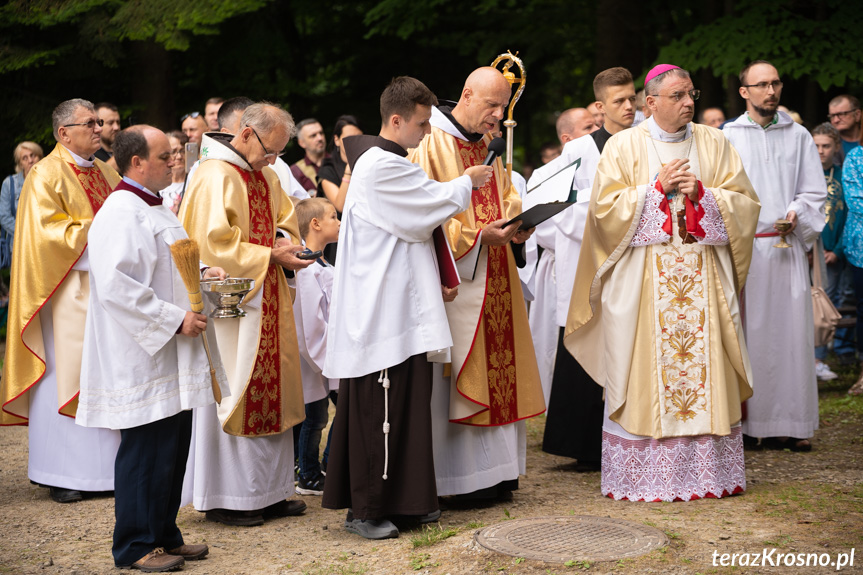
[[495, 148]]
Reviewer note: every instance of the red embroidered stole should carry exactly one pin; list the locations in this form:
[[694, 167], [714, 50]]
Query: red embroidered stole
[[94, 184], [497, 306], [262, 413]]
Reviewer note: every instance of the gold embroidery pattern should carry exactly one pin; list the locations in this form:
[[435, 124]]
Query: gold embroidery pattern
[[94, 184], [681, 304], [262, 413], [497, 322], [262, 405], [499, 338]]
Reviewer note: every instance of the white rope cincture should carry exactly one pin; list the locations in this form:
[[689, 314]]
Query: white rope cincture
[[384, 380]]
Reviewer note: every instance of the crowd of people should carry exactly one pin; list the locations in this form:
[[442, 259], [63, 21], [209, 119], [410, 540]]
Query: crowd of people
[[654, 320]]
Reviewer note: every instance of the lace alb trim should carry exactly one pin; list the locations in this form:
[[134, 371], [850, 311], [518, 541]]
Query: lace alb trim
[[712, 223], [649, 230], [673, 469]]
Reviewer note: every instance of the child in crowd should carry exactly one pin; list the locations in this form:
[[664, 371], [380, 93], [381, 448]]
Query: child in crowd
[[319, 226]]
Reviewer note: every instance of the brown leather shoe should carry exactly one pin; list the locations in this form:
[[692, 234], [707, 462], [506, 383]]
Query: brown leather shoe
[[190, 552], [157, 561], [286, 508]]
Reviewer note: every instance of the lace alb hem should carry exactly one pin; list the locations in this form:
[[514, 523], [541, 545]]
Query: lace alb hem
[[649, 230], [712, 223], [673, 469]]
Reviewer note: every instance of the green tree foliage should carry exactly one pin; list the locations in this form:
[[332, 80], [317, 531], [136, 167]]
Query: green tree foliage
[[816, 40], [159, 59]]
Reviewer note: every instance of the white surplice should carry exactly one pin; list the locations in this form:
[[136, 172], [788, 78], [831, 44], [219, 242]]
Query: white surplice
[[783, 165], [386, 249], [311, 316], [135, 369], [560, 238]]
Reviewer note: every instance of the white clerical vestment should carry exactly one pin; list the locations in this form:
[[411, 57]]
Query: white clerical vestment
[[654, 316], [558, 235], [311, 316], [472, 457], [61, 453], [386, 248], [242, 455], [783, 165], [135, 369]]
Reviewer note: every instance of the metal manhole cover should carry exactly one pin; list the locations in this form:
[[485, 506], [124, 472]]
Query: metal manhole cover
[[577, 537]]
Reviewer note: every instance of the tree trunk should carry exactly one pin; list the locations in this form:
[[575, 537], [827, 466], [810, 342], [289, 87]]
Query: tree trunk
[[153, 87]]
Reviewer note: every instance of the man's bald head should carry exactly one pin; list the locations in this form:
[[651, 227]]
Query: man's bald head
[[486, 79], [483, 100], [574, 123]]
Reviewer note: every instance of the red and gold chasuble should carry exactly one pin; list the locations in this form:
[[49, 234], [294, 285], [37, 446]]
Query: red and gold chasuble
[[57, 205], [262, 397], [497, 306]]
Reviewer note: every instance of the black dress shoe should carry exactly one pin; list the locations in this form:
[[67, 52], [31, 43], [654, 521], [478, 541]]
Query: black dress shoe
[[284, 509], [61, 495], [235, 518]]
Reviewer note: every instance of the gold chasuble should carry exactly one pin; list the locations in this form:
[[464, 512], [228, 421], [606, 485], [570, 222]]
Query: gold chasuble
[[495, 379], [234, 214], [57, 205], [657, 324]]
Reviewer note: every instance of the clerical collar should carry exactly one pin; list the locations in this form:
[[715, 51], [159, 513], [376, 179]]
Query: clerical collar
[[774, 121], [82, 163], [356, 146], [446, 108], [658, 133], [143, 193], [600, 137], [132, 182]]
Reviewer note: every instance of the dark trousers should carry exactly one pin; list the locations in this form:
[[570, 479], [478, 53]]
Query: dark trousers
[[858, 291], [148, 483], [317, 414]]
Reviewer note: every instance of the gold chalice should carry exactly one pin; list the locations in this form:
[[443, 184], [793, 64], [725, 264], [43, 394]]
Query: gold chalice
[[782, 225]]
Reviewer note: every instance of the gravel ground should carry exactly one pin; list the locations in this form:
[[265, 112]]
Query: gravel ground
[[795, 502]]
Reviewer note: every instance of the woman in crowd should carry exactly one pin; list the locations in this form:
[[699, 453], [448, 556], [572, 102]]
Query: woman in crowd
[[171, 194], [852, 239], [334, 177], [26, 155]]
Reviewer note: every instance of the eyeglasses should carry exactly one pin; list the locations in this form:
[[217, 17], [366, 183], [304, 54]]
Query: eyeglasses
[[267, 153], [841, 114], [677, 96], [91, 124], [192, 115], [775, 84], [178, 152]]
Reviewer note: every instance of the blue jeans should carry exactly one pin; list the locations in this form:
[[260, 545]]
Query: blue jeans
[[310, 437]]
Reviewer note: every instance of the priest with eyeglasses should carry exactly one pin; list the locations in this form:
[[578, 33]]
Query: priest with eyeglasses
[[655, 316]]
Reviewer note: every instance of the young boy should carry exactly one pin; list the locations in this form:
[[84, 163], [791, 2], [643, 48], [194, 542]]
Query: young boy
[[319, 226]]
